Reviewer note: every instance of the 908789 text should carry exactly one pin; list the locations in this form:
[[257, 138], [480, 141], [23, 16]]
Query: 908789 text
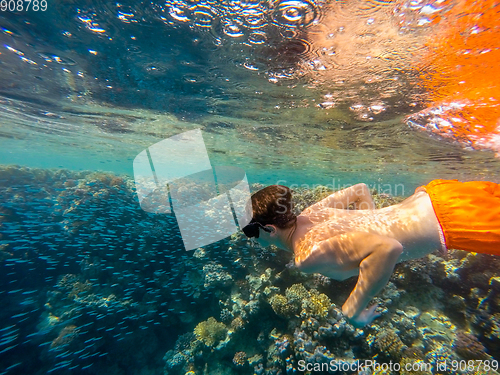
[[23, 5]]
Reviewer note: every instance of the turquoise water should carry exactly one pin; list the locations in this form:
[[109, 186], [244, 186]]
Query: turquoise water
[[294, 92]]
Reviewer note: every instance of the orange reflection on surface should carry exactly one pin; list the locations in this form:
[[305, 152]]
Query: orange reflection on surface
[[462, 75]]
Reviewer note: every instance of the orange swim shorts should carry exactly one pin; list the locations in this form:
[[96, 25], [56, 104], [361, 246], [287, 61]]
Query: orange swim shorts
[[469, 214]]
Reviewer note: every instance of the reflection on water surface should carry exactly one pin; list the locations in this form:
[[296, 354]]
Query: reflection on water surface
[[315, 87]]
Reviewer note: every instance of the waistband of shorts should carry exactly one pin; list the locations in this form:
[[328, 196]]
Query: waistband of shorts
[[442, 238]]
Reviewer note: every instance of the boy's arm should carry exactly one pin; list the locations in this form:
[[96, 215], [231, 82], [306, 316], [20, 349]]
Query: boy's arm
[[375, 270], [358, 194], [375, 256]]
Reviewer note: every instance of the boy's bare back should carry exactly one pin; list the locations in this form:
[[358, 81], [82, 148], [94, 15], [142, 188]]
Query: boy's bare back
[[341, 243]]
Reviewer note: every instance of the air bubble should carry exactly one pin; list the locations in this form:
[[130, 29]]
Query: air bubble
[[233, 31], [257, 38], [203, 16], [294, 13]]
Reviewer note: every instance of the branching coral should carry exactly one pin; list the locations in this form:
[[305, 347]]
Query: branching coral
[[296, 294], [237, 324], [318, 304], [184, 341], [240, 359], [282, 306], [387, 341], [210, 332], [215, 275], [297, 298]]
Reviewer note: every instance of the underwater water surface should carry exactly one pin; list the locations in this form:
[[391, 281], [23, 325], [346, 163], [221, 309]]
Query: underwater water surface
[[316, 95]]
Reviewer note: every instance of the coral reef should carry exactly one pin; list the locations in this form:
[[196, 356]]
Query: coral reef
[[468, 347], [65, 337], [240, 359], [282, 307], [387, 341], [110, 288], [414, 367], [317, 305], [296, 294], [298, 300], [210, 332]]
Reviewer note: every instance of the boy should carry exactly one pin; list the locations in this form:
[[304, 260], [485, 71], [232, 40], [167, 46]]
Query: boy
[[339, 243]]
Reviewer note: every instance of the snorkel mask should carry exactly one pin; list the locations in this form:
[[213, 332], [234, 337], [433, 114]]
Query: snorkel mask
[[252, 229]]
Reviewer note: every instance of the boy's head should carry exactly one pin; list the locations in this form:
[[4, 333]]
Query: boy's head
[[272, 206]]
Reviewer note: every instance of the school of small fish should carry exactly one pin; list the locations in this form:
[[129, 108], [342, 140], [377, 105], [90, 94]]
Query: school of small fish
[[88, 278]]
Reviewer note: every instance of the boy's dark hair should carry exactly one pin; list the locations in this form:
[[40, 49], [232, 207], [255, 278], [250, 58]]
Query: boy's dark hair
[[273, 205]]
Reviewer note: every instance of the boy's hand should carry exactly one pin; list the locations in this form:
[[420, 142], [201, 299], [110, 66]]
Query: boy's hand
[[374, 255], [366, 317]]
